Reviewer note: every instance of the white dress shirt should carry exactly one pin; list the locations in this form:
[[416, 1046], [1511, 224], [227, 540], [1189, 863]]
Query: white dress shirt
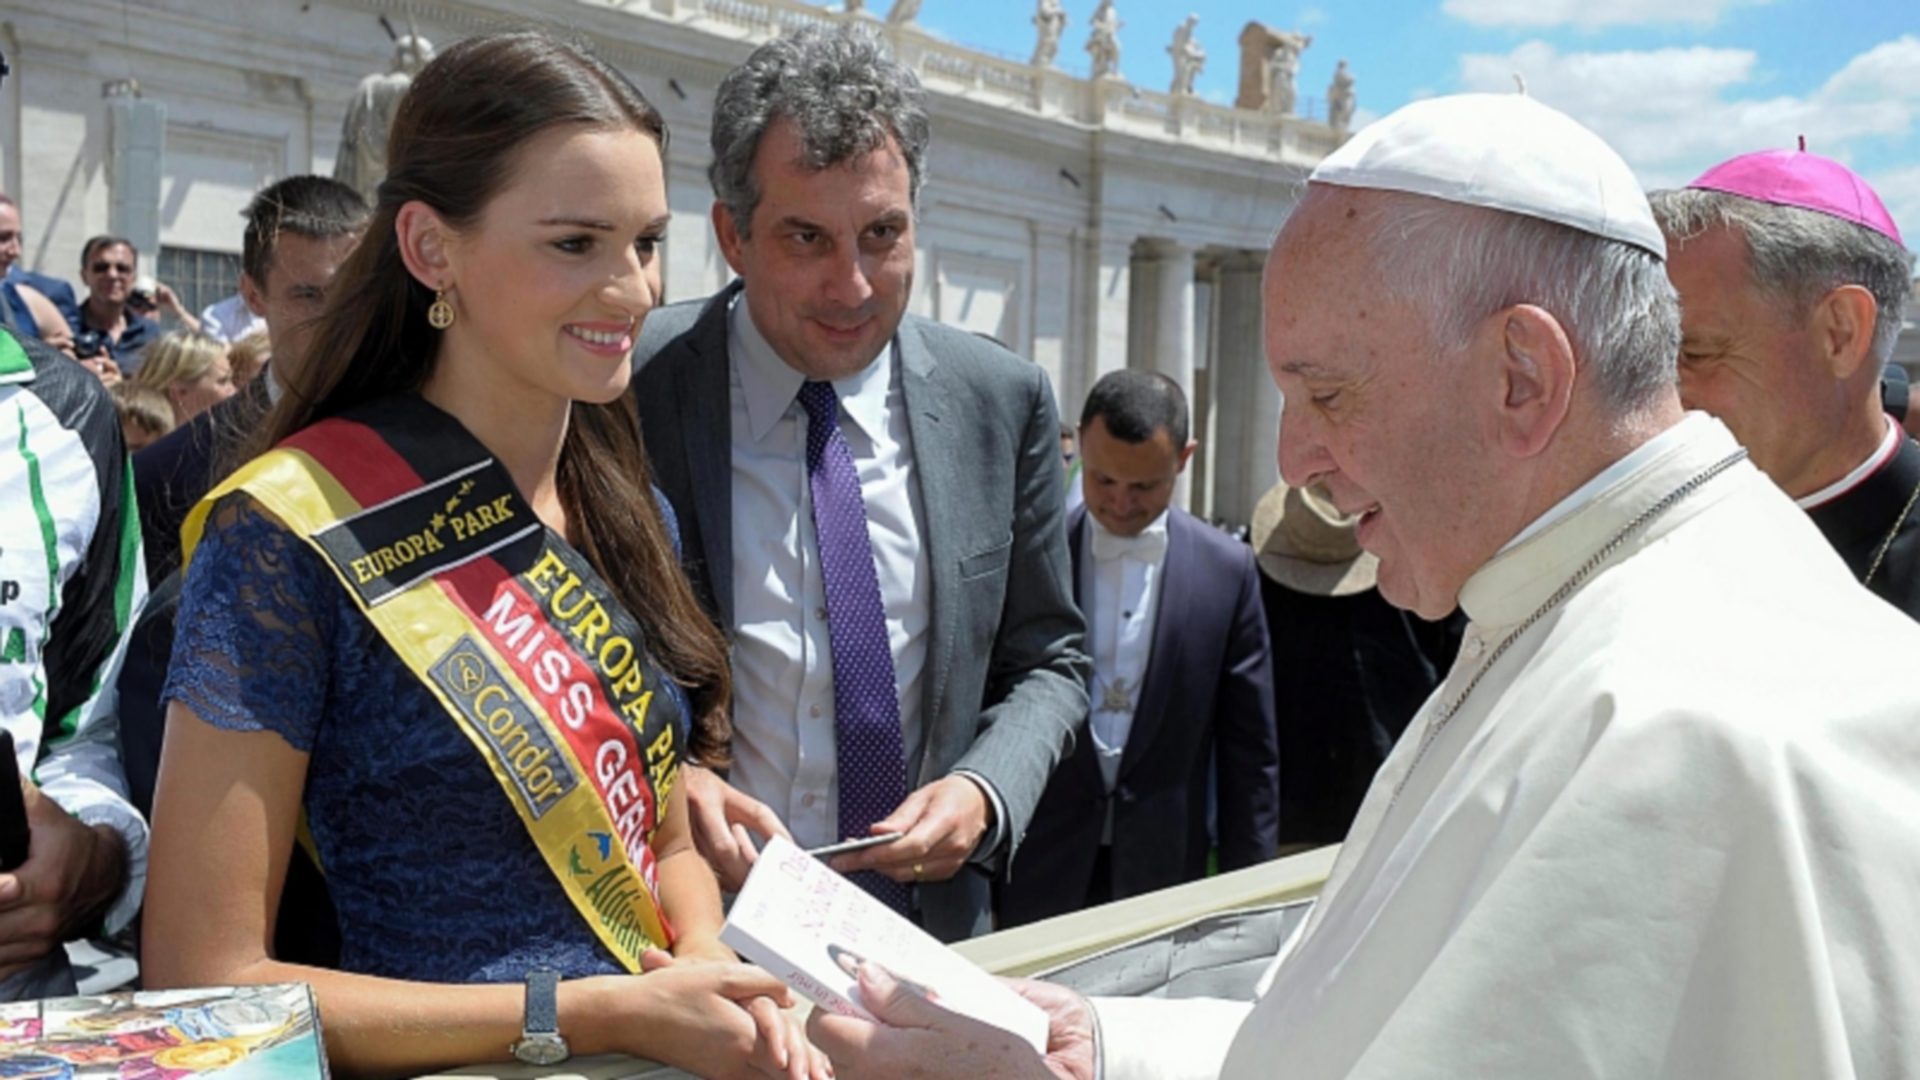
[[230, 319], [784, 744], [1120, 578]]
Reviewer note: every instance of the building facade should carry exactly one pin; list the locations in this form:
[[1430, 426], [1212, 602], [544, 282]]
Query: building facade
[[1089, 224]]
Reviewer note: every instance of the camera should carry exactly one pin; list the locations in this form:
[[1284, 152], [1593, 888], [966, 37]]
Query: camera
[[88, 344], [141, 298]]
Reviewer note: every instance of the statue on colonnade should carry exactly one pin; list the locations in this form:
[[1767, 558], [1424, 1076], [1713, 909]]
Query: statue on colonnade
[[1340, 99], [1050, 19], [1269, 62], [362, 161], [1104, 44], [1189, 57]]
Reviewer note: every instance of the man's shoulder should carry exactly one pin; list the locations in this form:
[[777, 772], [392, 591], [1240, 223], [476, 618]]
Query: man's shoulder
[[972, 357], [1746, 611], [55, 289], [1218, 552], [666, 330]]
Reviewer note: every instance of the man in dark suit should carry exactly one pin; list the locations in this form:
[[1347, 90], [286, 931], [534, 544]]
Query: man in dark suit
[[869, 504], [1182, 678], [298, 232]]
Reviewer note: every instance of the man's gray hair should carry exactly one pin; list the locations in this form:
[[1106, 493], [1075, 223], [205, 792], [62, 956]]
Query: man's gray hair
[[1797, 255], [837, 86], [1463, 263]]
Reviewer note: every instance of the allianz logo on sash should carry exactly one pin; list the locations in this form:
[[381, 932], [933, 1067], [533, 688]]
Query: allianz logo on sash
[[520, 743]]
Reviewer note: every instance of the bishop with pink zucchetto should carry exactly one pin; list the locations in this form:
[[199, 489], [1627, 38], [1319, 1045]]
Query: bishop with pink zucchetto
[[1792, 278]]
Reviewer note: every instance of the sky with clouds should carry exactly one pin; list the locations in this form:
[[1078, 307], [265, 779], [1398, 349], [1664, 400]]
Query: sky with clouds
[[1674, 85]]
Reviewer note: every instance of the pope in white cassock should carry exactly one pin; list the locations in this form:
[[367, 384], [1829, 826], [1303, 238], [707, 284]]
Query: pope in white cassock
[[1663, 817]]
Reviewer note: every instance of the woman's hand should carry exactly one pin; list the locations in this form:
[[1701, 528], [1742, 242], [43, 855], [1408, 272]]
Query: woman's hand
[[715, 1018]]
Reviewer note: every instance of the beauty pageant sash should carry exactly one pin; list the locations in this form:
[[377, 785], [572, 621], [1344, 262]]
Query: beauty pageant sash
[[509, 628]]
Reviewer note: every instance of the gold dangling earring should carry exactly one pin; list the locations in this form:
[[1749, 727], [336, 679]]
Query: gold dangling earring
[[440, 313]]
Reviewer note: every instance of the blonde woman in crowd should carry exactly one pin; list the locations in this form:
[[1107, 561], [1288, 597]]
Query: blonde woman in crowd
[[190, 369]]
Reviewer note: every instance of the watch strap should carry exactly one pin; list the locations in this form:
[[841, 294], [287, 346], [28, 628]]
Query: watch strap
[[543, 1002]]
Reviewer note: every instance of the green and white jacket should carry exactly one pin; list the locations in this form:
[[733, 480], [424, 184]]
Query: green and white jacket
[[71, 582]]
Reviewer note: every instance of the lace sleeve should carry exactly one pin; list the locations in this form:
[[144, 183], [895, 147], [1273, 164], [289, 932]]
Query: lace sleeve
[[251, 648]]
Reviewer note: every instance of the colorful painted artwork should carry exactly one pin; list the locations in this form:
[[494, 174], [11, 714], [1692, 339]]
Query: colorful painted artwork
[[236, 1033]]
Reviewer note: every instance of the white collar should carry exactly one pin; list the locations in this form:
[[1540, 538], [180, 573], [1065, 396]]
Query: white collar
[[769, 384], [1606, 478], [1889, 445], [1522, 575], [1148, 545]]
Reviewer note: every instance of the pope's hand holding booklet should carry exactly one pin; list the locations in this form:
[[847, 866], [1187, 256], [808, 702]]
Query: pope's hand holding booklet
[[814, 930]]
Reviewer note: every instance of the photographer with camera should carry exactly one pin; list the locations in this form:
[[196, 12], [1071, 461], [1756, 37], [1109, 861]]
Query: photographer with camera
[[111, 326]]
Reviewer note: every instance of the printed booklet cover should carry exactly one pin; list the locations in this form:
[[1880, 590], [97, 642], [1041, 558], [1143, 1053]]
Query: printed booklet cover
[[811, 927], [235, 1033]]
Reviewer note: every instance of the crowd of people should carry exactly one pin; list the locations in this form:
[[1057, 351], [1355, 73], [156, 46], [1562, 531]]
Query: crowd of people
[[465, 619]]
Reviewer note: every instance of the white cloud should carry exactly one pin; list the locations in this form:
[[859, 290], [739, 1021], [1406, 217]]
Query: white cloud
[[1900, 190], [1673, 112], [1311, 16], [1590, 14]]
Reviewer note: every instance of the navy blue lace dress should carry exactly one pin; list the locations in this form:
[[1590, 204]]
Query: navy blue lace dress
[[432, 873]]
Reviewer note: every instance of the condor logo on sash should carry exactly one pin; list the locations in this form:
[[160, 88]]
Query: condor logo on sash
[[520, 742], [384, 549]]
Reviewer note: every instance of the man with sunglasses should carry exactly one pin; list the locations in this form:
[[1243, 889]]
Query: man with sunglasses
[[107, 325]]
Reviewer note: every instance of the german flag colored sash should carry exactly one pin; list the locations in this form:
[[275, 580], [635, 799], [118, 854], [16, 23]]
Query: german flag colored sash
[[507, 626]]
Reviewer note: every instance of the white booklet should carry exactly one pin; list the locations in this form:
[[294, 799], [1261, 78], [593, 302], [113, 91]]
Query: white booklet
[[811, 927]]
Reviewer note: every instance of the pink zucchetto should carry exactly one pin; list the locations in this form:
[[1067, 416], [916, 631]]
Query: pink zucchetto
[[1805, 181]]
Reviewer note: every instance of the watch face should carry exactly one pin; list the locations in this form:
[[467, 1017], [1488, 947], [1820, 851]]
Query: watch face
[[541, 1048]]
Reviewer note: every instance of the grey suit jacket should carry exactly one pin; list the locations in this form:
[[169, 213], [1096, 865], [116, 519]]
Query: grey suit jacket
[[1007, 692]]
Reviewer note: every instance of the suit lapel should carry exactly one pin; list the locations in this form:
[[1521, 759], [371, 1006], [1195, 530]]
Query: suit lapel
[[1082, 756], [707, 434], [1163, 663], [937, 452], [1076, 537]]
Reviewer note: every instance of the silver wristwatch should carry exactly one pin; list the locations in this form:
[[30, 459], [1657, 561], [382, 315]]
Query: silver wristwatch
[[540, 1042]]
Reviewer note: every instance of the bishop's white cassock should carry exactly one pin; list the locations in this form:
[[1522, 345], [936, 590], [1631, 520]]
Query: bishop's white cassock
[[1673, 832]]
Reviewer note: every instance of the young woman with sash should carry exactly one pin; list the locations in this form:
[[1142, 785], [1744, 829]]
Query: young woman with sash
[[438, 634]]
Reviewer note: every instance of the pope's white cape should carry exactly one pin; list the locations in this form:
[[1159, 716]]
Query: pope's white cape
[[1672, 833]]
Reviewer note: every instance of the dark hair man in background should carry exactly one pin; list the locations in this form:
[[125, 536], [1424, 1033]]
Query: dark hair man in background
[[298, 232], [1182, 677]]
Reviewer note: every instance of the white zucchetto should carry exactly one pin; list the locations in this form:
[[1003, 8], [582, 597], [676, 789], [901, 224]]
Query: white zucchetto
[[1503, 152]]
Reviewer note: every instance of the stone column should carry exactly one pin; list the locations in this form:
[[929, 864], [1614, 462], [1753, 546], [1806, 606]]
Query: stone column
[[1110, 281], [1169, 341], [1247, 443]]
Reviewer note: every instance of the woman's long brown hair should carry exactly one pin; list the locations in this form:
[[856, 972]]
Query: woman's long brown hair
[[453, 146]]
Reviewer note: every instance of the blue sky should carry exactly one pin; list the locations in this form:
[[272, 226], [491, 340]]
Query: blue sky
[[1675, 85]]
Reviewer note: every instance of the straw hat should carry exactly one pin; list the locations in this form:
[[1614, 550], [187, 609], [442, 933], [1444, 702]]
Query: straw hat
[[1306, 544]]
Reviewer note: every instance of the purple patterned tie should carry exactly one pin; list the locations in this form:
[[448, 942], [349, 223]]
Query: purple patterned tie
[[866, 698]]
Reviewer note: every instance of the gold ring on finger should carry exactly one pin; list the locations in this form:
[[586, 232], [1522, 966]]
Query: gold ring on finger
[[917, 869]]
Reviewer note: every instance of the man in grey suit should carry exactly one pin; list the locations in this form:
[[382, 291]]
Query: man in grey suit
[[869, 504]]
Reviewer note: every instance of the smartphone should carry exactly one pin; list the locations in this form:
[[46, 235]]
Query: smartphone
[[828, 851], [13, 807]]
